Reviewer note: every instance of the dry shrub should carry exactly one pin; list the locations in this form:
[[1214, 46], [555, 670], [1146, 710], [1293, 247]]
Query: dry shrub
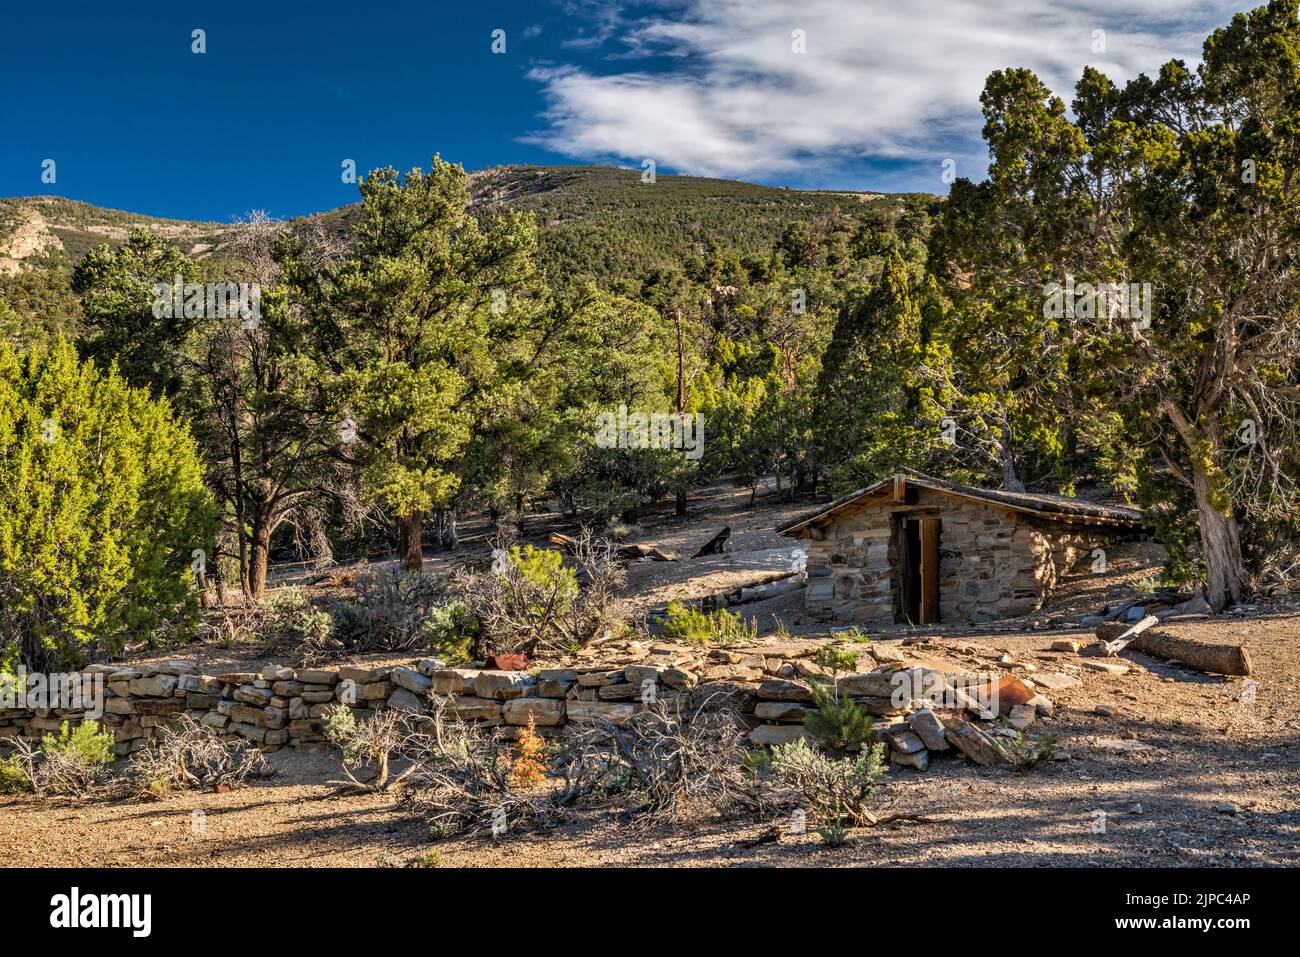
[[462, 775], [188, 755], [531, 601], [834, 791], [528, 769], [676, 754], [396, 606], [70, 763], [369, 746]]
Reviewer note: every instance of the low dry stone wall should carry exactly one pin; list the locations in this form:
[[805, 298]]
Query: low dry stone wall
[[286, 707]]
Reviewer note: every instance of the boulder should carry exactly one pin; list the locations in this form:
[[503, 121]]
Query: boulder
[[777, 689], [553, 689], [867, 684], [427, 666], [405, 700], [469, 708], [237, 678], [503, 685], [677, 678], [156, 706], [635, 674], [588, 712], [119, 706], [1043, 705], [315, 676], [1109, 667], [361, 676], [619, 692], [929, 729], [153, 686], [1072, 645], [886, 654], [565, 675], [247, 714], [778, 734], [595, 679], [256, 696], [918, 760], [546, 712], [307, 728], [412, 681], [453, 681], [904, 740], [781, 711], [1055, 682], [974, 743], [1022, 716]]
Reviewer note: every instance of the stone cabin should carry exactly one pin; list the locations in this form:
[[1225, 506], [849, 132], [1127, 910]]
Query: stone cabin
[[917, 549]]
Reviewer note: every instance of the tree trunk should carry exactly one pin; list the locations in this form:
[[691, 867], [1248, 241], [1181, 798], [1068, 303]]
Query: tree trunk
[[448, 539], [680, 508], [1009, 477], [258, 554], [1221, 545], [409, 548]]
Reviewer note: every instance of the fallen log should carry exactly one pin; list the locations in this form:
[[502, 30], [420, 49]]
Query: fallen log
[[646, 551], [715, 545], [569, 545], [1201, 655]]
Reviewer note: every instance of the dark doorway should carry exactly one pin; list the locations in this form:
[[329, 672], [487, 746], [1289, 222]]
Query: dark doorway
[[917, 544]]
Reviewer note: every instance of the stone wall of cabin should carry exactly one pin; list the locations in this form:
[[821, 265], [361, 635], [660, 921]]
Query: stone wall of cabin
[[993, 563]]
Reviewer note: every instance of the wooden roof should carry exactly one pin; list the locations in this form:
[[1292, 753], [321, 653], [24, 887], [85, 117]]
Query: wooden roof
[[1058, 508]]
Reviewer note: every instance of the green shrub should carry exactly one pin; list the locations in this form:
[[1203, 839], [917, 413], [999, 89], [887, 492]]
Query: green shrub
[[545, 571], [104, 503], [530, 601], [696, 627], [451, 631], [835, 659], [833, 791], [1024, 753], [85, 744], [290, 619], [838, 723], [398, 604], [350, 623], [13, 776]]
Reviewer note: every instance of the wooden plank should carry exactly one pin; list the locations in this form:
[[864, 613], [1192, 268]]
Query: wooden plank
[[900, 490], [1109, 649], [901, 570], [929, 571]]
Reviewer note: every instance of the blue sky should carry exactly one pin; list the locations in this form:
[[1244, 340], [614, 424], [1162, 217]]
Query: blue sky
[[879, 96]]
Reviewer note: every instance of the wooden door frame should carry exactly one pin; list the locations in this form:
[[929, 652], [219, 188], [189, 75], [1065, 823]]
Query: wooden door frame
[[929, 611]]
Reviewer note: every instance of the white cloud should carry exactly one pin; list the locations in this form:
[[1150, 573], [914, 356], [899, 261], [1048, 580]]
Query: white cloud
[[882, 80]]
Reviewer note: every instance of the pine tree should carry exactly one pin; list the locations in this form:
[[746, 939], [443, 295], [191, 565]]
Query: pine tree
[[421, 336]]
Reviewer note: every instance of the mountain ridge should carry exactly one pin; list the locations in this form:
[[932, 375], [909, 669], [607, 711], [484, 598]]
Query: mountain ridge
[[592, 219]]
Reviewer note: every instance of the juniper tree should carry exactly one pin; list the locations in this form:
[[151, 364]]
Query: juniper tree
[[104, 509], [1186, 181]]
